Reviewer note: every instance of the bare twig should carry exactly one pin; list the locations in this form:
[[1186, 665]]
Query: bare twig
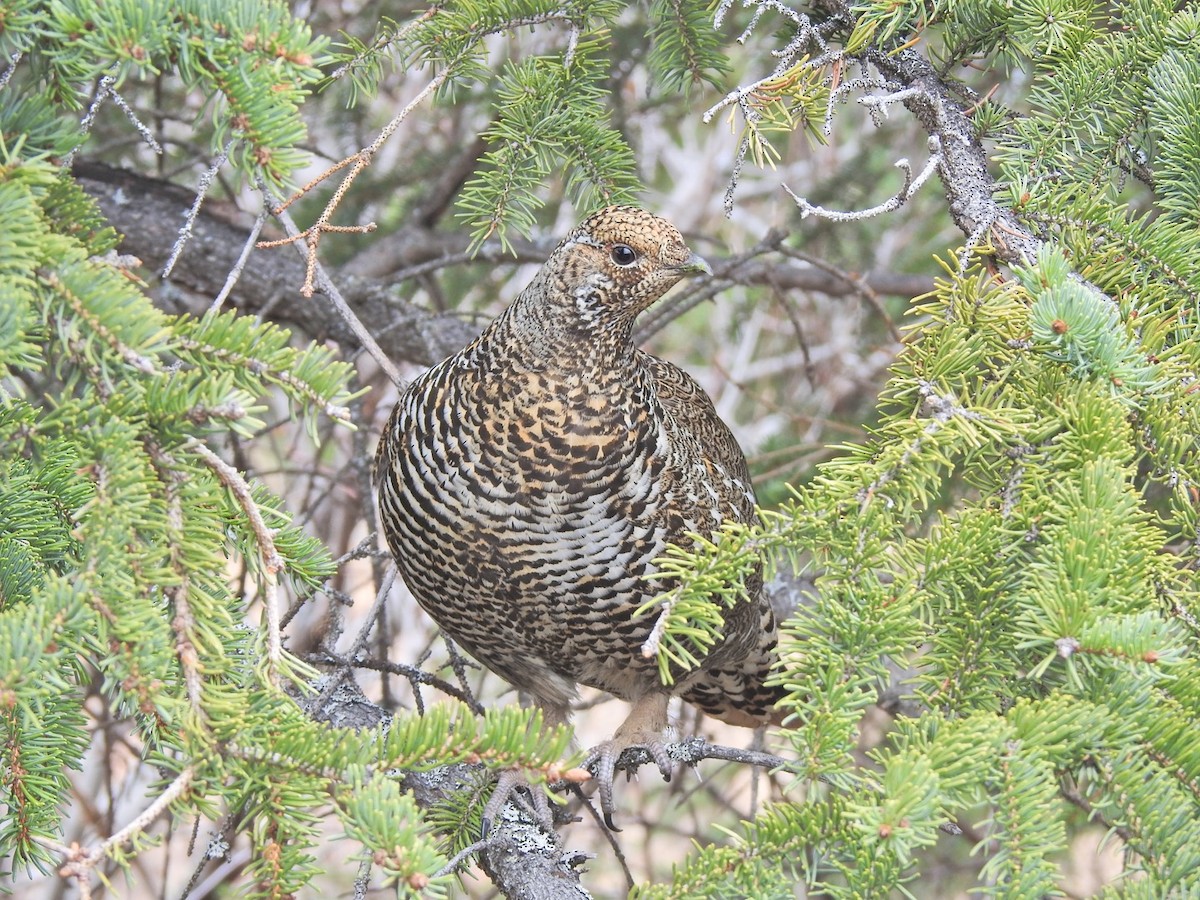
[[137, 123], [89, 117], [414, 675], [344, 311], [462, 855], [185, 232], [911, 186], [311, 236], [609, 836], [963, 162], [857, 283], [364, 633], [724, 274], [13, 59], [235, 273]]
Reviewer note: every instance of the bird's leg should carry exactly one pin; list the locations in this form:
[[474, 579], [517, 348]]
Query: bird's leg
[[645, 727], [510, 781]]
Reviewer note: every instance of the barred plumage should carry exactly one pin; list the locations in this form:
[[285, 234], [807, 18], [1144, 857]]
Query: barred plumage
[[527, 483]]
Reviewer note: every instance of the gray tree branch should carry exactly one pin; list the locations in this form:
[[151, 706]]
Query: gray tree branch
[[148, 213], [970, 187]]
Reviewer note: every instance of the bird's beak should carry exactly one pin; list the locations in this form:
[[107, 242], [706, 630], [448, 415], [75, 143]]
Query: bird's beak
[[694, 265]]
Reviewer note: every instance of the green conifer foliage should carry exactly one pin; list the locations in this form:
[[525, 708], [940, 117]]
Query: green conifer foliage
[[1008, 563]]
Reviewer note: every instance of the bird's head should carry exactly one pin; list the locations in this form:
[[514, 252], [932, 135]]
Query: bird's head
[[619, 262]]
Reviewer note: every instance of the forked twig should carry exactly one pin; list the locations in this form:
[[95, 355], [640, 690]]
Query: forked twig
[[911, 186], [311, 236]]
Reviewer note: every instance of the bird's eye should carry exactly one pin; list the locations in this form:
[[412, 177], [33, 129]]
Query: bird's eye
[[623, 255]]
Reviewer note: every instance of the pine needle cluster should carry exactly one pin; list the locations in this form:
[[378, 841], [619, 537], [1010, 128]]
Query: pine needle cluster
[[1013, 553]]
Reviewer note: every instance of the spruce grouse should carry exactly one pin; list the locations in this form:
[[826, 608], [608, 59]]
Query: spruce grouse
[[528, 482]]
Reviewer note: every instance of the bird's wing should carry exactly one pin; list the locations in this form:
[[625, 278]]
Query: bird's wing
[[694, 414]]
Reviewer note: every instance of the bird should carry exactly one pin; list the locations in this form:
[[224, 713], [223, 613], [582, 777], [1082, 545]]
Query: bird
[[528, 483]]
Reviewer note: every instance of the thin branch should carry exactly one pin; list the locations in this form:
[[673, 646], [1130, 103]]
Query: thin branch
[[314, 268], [235, 273], [174, 791], [311, 236], [79, 863], [137, 123], [414, 675], [911, 186], [458, 858], [202, 186], [13, 59], [383, 41], [609, 835], [963, 161], [265, 537], [693, 750], [857, 283], [724, 275], [89, 117], [364, 634]]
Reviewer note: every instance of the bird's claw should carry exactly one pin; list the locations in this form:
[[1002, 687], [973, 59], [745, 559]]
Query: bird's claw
[[509, 782], [603, 760]]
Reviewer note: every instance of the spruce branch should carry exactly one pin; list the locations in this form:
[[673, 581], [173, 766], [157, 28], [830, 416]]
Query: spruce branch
[[1123, 240], [684, 45], [365, 54], [272, 562], [138, 361], [183, 623], [704, 580], [277, 366]]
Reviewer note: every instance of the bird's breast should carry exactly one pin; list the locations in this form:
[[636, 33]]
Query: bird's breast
[[526, 465]]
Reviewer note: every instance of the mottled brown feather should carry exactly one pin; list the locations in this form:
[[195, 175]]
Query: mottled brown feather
[[528, 483]]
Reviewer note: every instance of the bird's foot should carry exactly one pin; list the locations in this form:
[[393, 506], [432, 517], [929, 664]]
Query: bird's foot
[[603, 759], [512, 785]]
